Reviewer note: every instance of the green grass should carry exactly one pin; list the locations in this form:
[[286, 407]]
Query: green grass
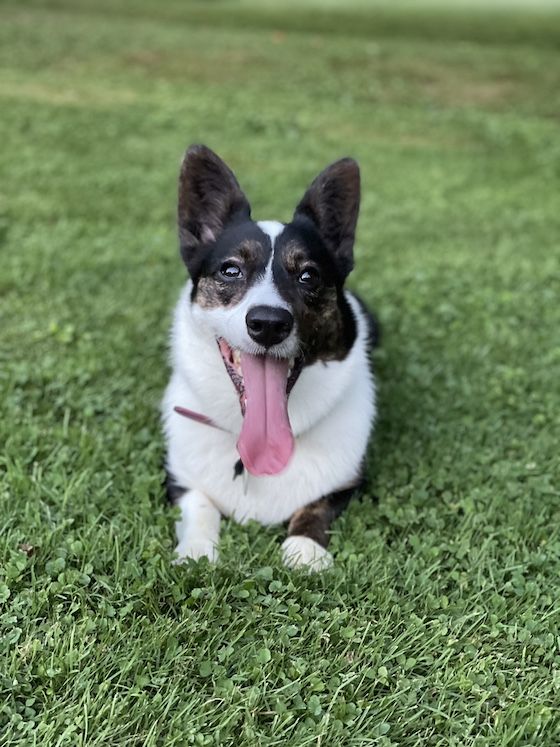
[[440, 623]]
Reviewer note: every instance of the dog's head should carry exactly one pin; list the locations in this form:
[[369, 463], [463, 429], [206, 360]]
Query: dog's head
[[271, 293]]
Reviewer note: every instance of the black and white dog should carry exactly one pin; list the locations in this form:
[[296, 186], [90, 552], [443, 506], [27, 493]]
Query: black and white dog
[[271, 400]]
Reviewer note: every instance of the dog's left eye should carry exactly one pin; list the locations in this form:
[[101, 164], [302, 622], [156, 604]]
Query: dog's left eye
[[230, 271], [309, 277]]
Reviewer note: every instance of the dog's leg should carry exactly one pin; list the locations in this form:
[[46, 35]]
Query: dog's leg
[[308, 532], [198, 529]]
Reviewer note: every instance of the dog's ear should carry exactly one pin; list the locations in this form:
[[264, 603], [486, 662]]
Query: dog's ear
[[209, 198], [332, 203]]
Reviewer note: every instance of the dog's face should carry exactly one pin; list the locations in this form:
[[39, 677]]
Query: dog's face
[[271, 293]]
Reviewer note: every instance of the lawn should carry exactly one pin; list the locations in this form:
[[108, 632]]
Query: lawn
[[440, 622]]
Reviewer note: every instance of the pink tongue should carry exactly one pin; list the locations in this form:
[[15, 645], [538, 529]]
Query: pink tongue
[[266, 442]]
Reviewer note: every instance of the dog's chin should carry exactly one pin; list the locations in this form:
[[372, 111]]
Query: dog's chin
[[263, 383], [231, 357]]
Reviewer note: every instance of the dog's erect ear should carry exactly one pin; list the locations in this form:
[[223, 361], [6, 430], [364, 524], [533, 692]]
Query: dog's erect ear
[[332, 203], [209, 198]]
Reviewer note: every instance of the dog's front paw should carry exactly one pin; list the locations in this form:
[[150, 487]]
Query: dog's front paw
[[196, 549], [303, 552]]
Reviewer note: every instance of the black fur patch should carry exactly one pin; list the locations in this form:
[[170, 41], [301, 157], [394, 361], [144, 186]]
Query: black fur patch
[[173, 490]]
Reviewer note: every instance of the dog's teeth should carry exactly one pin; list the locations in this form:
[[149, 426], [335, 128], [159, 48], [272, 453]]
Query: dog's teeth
[[236, 357]]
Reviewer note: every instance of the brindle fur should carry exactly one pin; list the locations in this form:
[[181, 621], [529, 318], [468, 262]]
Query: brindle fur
[[212, 290], [325, 323], [314, 520], [326, 332]]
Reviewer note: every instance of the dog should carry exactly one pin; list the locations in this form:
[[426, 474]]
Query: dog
[[271, 400]]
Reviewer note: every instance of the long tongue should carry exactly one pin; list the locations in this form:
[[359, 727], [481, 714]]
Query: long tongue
[[266, 442]]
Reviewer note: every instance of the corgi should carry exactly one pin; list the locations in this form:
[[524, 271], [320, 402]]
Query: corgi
[[271, 400]]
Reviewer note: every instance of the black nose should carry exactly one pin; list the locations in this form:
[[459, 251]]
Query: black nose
[[269, 325]]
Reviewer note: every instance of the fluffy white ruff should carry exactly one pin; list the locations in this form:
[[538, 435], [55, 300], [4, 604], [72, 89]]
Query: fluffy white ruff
[[303, 552]]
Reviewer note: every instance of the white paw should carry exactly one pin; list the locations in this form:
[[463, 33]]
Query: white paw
[[195, 549], [303, 552]]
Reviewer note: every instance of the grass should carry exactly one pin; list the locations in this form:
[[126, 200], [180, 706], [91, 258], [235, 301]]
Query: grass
[[440, 623]]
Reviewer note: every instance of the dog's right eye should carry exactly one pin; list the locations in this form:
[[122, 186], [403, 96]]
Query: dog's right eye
[[230, 271]]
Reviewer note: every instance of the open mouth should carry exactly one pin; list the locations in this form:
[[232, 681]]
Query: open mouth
[[263, 384]]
